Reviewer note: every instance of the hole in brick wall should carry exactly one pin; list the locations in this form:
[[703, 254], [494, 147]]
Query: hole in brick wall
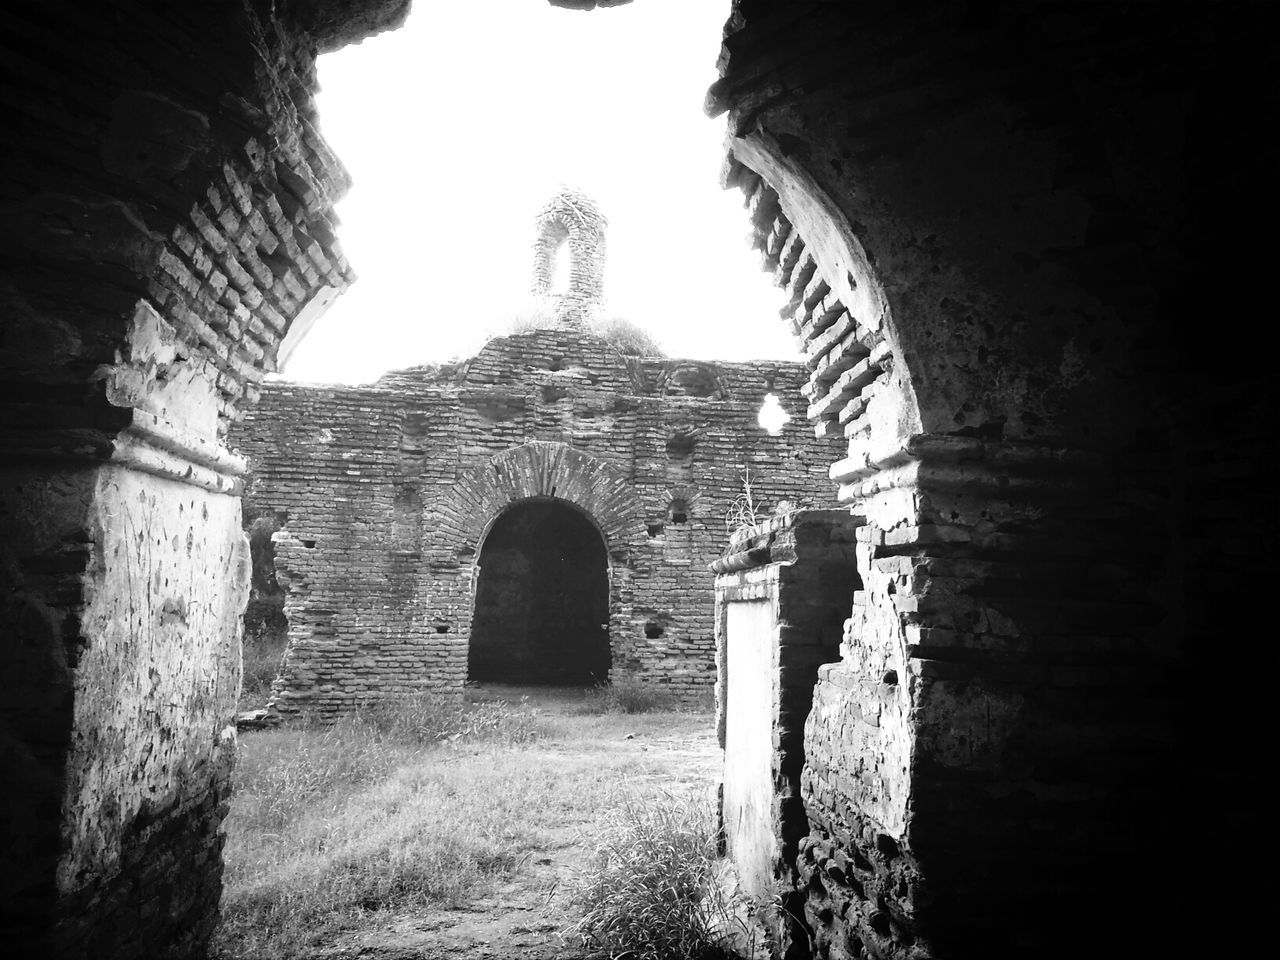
[[552, 393], [681, 444], [654, 529], [653, 630], [442, 628], [772, 417], [309, 544], [880, 922], [679, 510], [887, 846], [693, 380]]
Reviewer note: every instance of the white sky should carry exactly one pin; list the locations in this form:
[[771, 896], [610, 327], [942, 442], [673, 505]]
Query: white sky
[[459, 126]]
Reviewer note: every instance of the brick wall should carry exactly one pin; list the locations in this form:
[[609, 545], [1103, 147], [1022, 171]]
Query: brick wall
[[389, 491]]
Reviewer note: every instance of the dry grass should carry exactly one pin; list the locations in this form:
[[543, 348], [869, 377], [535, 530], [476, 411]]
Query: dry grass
[[419, 807], [628, 695], [628, 338], [653, 894], [261, 667]]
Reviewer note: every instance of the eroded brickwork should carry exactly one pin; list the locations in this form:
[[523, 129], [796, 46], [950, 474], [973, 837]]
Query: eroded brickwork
[[1002, 717], [390, 489], [572, 227], [802, 566], [166, 216]]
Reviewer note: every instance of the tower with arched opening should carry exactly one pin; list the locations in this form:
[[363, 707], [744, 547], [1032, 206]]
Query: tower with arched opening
[[568, 259]]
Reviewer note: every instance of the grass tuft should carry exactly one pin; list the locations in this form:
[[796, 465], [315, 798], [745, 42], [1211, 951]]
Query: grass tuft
[[628, 695], [627, 337], [653, 893], [425, 719]]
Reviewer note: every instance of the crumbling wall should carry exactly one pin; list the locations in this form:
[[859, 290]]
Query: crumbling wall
[[1003, 718], [655, 451], [783, 589]]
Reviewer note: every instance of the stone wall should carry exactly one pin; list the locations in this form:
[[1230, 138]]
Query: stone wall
[[389, 491]]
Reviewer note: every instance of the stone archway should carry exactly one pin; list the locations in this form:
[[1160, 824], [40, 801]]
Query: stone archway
[[539, 472], [541, 598]]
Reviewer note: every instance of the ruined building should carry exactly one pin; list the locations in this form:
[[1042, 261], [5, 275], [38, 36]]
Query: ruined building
[[543, 512], [1027, 245]]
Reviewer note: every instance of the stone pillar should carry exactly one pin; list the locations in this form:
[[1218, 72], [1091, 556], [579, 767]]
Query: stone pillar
[[167, 214], [783, 590]]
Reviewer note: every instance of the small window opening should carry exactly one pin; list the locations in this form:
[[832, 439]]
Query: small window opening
[[679, 510], [560, 273], [772, 417], [681, 444]]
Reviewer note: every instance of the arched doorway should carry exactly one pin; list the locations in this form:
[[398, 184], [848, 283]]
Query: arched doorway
[[542, 598]]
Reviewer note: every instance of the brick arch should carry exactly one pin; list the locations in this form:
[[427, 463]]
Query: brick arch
[[535, 470], [541, 469]]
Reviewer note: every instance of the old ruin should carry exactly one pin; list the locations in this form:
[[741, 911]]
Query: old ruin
[[543, 512], [1025, 244]]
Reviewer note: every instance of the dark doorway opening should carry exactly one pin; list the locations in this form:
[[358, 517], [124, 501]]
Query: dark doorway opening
[[542, 600]]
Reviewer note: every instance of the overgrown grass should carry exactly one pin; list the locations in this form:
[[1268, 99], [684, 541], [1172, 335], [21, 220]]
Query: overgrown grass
[[628, 695], [331, 823], [627, 337], [261, 667], [419, 806], [653, 892]]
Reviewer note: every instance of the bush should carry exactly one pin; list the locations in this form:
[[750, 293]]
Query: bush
[[423, 719], [652, 894], [628, 695], [627, 338]]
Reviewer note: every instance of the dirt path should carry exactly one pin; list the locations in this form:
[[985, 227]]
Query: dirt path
[[523, 916]]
